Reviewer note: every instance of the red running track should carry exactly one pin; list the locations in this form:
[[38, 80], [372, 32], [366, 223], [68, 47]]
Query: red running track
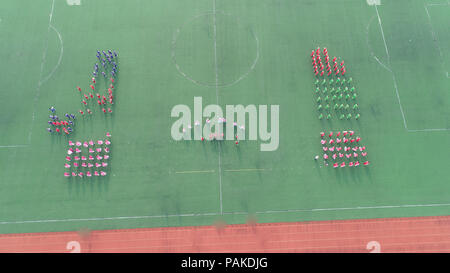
[[417, 234]]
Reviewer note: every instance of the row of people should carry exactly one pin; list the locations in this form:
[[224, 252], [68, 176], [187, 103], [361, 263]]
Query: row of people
[[350, 164]]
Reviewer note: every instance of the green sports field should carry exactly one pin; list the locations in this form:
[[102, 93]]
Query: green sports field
[[231, 52]]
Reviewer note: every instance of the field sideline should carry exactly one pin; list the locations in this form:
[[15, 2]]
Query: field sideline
[[227, 52]]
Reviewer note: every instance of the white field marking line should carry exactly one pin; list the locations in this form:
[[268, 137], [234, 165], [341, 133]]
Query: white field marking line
[[232, 228], [353, 208], [73, 2], [435, 39], [339, 247], [235, 236], [429, 130], [231, 234], [437, 4], [224, 213], [423, 250], [246, 170], [174, 42], [60, 56], [188, 172], [380, 238], [393, 76], [266, 249], [14, 146], [217, 101], [441, 55], [432, 31], [108, 218], [44, 57], [389, 64], [370, 48], [249, 250], [384, 40]]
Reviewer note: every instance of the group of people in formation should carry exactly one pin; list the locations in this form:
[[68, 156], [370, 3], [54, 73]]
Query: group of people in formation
[[335, 93], [88, 158], [58, 125], [109, 62]]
